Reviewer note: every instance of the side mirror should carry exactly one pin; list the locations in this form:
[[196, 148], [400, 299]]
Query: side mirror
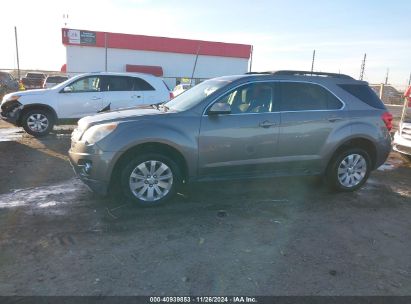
[[219, 108], [67, 89]]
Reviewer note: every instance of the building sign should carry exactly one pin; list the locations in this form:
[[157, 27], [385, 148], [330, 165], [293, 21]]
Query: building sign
[[81, 37]]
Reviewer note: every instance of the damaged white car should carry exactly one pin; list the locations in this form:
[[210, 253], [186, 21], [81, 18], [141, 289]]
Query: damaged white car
[[402, 138]]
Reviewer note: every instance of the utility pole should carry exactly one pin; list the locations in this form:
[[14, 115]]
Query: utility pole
[[195, 65], [386, 76], [17, 53], [312, 62], [363, 67], [105, 46], [251, 59]]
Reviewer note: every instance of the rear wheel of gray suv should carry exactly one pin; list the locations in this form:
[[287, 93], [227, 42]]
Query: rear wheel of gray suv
[[150, 179], [37, 122], [349, 170]]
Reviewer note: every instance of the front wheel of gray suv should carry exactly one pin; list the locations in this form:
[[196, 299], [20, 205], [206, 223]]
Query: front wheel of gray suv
[[349, 170], [150, 179]]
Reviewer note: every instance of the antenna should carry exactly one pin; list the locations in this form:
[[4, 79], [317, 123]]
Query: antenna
[[363, 67], [65, 19]]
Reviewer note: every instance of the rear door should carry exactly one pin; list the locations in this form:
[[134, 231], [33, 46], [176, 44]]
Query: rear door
[[310, 114], [119, 92], [84, 98]]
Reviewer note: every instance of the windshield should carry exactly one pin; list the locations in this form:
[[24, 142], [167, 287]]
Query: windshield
[[197, 94]]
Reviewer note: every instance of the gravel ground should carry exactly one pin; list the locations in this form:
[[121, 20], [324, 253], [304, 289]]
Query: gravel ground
[[284, 236]]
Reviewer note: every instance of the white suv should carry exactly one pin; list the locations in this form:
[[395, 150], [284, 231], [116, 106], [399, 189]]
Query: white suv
[[37, 111]]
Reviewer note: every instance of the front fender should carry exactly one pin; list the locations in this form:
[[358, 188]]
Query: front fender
[[131, 134]]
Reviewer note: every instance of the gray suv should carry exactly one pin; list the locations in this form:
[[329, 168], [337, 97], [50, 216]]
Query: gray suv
[[256, 125]]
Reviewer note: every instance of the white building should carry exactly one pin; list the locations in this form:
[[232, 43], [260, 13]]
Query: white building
[[170, 58]]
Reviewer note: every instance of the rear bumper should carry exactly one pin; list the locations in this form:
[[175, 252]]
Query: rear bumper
[[383, 150], [401, 144]]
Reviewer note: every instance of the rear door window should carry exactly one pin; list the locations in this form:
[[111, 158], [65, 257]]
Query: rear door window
[[118, 83], [298, 96], [141, 85], [364, 93]]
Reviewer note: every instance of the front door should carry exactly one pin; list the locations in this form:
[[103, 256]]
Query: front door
[[244, 142], [80, 98]]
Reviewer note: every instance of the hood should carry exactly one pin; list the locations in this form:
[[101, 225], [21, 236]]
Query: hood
[[30, 92], [118, 115]]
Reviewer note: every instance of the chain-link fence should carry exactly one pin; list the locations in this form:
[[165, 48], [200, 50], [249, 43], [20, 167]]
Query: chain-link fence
[[390, 93]]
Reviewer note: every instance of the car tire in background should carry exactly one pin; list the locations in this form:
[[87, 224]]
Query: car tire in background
[[348, 170], [150, 179], [37, 122]]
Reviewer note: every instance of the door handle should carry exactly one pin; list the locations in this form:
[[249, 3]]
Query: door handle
[[334, 119], [266, 124], [95, 98], [136, 96]]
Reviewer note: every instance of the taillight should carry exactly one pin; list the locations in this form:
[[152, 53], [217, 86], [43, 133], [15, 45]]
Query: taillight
[[171, 95], [387, 118]]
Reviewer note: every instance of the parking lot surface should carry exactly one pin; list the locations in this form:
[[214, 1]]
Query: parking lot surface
[[284, 236]]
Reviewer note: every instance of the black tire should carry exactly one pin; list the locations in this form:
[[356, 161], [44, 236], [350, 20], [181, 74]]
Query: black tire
[[332, 176], [406, 157], [131, 166], [41, 113]]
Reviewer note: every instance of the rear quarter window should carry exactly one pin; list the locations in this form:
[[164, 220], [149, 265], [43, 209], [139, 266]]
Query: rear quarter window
[[141, 85], [364, 93]]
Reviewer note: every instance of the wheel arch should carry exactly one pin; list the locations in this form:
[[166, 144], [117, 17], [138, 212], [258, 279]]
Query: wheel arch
[[357, 142], [150, 147], [41, 106]]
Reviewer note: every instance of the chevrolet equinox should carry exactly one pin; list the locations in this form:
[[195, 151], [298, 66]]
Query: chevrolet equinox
[[256, 125]]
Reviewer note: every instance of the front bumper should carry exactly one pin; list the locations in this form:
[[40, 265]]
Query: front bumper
[[98, 174], [401, 144], [10, 112]]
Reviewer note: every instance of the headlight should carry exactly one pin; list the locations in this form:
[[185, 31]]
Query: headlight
[[13, 98], [98, 132]]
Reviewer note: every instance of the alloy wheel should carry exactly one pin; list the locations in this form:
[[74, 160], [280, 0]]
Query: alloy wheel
[[151, 180], [352, 170]]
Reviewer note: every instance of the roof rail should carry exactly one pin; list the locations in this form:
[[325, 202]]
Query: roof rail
[[263, 73], [309, 73]]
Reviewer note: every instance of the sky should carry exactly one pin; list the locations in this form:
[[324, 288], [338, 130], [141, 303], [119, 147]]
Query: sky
[[283, 33]]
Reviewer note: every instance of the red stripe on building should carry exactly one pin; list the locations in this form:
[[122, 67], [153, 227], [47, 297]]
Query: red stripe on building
[[147, 69], [163, 44]]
